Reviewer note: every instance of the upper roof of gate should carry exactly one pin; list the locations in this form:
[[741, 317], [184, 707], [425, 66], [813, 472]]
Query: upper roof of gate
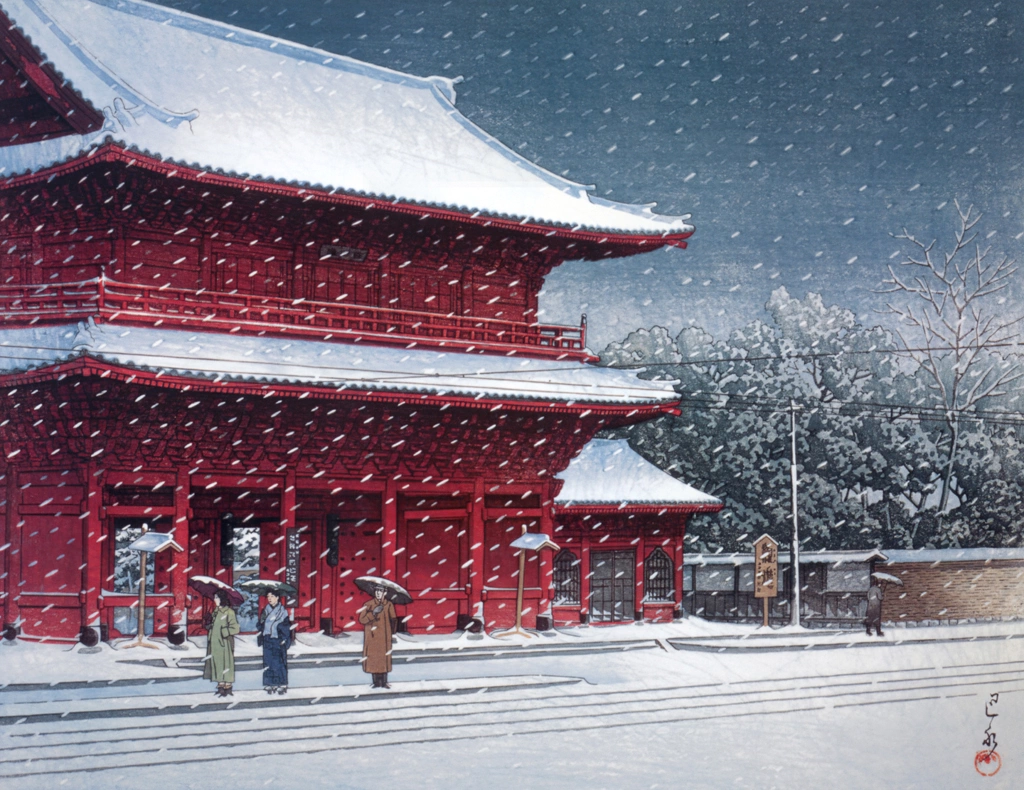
[[211, 96]]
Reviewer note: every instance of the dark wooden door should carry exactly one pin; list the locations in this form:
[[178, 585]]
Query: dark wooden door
[[612, 584], [352, 548], [359, 554]]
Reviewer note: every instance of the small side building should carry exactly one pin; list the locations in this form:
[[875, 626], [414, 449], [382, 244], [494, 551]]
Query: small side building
[[620, 522]]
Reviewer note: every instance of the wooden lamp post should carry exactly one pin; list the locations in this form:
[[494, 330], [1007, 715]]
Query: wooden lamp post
[[148, 542], [535, 541]]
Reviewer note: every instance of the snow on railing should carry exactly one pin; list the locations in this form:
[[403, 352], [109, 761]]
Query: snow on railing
[[115, 302]]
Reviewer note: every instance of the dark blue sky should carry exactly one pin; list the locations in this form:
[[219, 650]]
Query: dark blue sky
[[798, 134]]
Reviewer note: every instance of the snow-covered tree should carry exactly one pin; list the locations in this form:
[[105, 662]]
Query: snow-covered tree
[[870, 464], [955, 325]]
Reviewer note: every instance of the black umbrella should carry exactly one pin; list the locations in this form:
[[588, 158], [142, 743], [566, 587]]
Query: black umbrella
[[394, 592], [207, 586], [263, 586]]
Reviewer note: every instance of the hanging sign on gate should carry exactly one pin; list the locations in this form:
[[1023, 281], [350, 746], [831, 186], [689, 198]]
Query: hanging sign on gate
[[293, 548]]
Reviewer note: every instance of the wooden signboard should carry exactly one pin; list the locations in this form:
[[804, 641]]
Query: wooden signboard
[[766, 570]]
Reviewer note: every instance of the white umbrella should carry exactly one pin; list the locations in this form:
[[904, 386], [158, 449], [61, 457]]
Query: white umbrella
[[887, 577], [394, 591]]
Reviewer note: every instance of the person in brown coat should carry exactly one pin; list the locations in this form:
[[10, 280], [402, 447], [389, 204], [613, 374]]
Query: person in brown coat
[[378, 619]]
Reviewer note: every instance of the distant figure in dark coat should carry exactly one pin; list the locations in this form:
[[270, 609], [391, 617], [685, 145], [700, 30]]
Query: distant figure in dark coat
[[275, 636], [378, 619], [874, 618]]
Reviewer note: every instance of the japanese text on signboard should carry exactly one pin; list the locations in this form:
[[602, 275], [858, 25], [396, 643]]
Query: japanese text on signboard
[[766, 568]]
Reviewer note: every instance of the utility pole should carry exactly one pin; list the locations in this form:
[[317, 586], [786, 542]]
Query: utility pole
[[794, 551]]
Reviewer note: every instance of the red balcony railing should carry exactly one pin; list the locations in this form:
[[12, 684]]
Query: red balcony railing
[[114, 302]]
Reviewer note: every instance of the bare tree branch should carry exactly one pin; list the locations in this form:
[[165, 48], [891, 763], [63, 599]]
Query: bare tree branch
[[952, 322]]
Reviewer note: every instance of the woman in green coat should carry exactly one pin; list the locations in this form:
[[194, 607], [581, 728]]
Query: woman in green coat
[[220, 646]]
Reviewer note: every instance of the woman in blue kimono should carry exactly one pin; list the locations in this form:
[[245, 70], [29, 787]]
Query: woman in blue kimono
[[275, 635]]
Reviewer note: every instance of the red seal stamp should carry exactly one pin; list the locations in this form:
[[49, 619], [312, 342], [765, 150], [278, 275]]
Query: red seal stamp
[[987, 762]]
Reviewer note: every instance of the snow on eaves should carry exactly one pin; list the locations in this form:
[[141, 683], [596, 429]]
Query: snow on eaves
[[888, 557], [610, 472], [207, 95], [222, 357], [954, 555], [835, 558]]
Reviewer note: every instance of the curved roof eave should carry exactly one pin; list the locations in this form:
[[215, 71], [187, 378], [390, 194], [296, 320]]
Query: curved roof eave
[[64, 46], [107, 148], [95, 365]]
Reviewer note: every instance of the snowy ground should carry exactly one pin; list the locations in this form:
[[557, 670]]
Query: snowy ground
[[624, 707]]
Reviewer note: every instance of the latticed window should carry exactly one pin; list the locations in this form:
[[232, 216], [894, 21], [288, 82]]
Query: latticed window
[[567, 579], [658, 577]]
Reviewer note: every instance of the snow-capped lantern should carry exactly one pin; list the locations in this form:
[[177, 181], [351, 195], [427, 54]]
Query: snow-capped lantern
[[526, 542], [146, 543]]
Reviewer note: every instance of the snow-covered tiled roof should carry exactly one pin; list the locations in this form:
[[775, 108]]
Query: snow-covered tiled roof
[[220, 357], [954, 555], [826, 557], [610, 472], [208, 95]]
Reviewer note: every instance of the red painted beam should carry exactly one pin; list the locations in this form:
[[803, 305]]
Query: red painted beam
[[87, 366]]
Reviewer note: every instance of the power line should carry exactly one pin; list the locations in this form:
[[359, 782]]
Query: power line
[[812, 355], [922, 416]]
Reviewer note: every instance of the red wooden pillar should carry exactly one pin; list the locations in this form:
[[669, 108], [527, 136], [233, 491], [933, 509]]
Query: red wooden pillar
[[585, 574], [273, 543], [288, 502], [547, 526], [92, 547], [206, 263], [641, 555], [678, 563], [35, 272], [180, 561], [301, 273], [388, 283], [389, 517], [475, 591], [119, 262], [12, 538]]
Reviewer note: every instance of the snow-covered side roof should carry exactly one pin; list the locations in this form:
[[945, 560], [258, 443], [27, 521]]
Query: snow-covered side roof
[[828, 557], [609, 472], [954, 555], [208, 95], [222, 357]]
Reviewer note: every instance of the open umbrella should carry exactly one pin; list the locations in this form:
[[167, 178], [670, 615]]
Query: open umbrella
[[394, 592], [207, 586], [263, 586], [887, 577]]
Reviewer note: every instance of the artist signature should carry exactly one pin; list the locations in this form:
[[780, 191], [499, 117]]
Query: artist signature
[[987, 762]]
